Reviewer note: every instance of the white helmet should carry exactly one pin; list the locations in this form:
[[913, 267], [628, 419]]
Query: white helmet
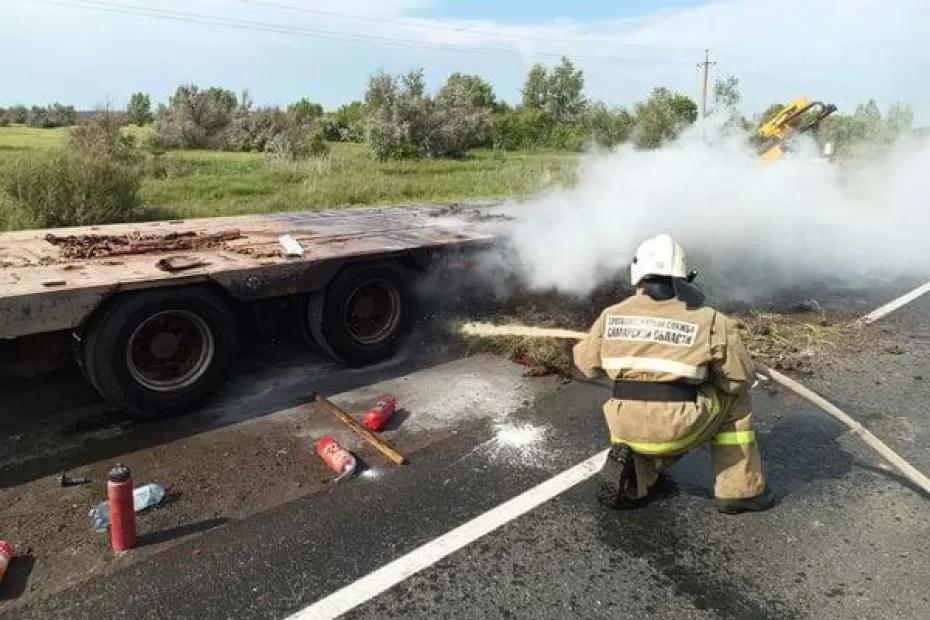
[[658, 256]]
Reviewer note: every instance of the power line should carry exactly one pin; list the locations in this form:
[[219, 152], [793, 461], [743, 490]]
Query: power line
[[259, 26], [436, 28]]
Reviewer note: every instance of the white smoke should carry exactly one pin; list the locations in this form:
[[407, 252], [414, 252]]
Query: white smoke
[[749, 228]]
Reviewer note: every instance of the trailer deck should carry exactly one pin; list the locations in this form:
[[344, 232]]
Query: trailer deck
[[53, 279]]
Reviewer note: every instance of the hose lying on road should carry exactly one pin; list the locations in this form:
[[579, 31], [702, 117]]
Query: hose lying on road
[[909, 471], [906, 469]]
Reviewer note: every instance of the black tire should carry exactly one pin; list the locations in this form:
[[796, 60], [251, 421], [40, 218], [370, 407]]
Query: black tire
[[158, 353], [365, 313]]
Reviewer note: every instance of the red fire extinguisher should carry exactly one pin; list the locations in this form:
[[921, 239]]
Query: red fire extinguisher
[[377, 417], [6, 555], [336, 457], [122, 511]]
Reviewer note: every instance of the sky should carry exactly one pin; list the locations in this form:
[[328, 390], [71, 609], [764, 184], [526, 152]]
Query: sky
[[93, 53]]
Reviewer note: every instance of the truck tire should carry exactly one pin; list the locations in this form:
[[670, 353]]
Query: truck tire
[[159, 352], [364, 314]]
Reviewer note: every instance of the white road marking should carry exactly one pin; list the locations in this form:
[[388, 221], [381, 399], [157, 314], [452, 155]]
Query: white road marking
[[894, 304], [389, 575]]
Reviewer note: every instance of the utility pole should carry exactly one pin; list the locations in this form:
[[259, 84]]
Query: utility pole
[[706, 66]]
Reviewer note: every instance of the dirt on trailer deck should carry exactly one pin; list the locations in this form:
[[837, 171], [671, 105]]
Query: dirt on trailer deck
[[105, 246]]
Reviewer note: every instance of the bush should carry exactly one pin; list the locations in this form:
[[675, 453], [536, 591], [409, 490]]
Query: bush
[[17, 114], [297, 142], [195, 118], [404, 122], [305, 110], [607, 127], [55, 115], [70, 190], [101, 137], [95, 180], [284, 135], [531, 128], [13, 216], [346, 124], [662, 117], [252, 130], [139, 109]]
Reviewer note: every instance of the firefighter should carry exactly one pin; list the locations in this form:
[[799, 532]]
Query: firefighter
[[681, 377]]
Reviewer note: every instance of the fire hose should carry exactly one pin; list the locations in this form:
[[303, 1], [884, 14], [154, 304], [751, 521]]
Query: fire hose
[[764, 372]]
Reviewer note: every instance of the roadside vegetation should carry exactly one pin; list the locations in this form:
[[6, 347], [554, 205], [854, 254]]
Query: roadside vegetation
[[210, 151]]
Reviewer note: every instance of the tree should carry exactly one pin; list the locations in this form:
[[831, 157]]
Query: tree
[[381, 89], [222, 98], [661, 118], [195, 118], [55, 115], [463, 90], [899, 120], [536, 88], [684, 109], [405, 122], [18, 114], [564, 91], [769, 113], [607, 127], [305, 110], [139, 109], [346, 124], [560, 92], [726, 95]]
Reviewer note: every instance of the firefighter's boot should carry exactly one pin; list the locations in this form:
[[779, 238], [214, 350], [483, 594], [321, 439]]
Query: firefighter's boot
[[733, 506], [618, 477]]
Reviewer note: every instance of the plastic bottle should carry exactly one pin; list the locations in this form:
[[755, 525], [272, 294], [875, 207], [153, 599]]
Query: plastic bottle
[[142, 498]]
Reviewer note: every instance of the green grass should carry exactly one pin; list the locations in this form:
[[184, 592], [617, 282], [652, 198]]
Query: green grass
[[210, 183], [19, 138]]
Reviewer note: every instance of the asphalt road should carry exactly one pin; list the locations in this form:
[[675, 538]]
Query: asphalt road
[[847, 539]]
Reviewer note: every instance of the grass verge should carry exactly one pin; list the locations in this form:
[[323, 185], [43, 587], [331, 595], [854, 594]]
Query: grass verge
[[185, 184]]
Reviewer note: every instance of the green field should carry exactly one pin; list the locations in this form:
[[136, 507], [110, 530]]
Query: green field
[[182, 184]]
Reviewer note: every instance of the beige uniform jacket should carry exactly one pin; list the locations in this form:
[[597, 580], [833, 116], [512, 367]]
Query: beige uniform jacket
[[640, 339]]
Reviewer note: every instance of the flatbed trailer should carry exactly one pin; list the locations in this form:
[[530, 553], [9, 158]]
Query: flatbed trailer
[[155, 308]]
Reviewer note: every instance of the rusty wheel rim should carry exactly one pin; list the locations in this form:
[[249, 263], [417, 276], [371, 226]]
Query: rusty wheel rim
[[372, 312], [170, 350]]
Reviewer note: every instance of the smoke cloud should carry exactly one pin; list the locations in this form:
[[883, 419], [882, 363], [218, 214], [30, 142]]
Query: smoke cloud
[[749, 229]]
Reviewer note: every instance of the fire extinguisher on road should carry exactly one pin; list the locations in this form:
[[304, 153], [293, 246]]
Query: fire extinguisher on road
[[377, 417], [336, 457], [122, 511]]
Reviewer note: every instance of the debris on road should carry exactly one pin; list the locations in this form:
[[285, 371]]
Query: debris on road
[[6, 556], [336, 457], [787, 341], [381, 445], [378, 416], [72, 481], [791, 341], [143, 498]]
